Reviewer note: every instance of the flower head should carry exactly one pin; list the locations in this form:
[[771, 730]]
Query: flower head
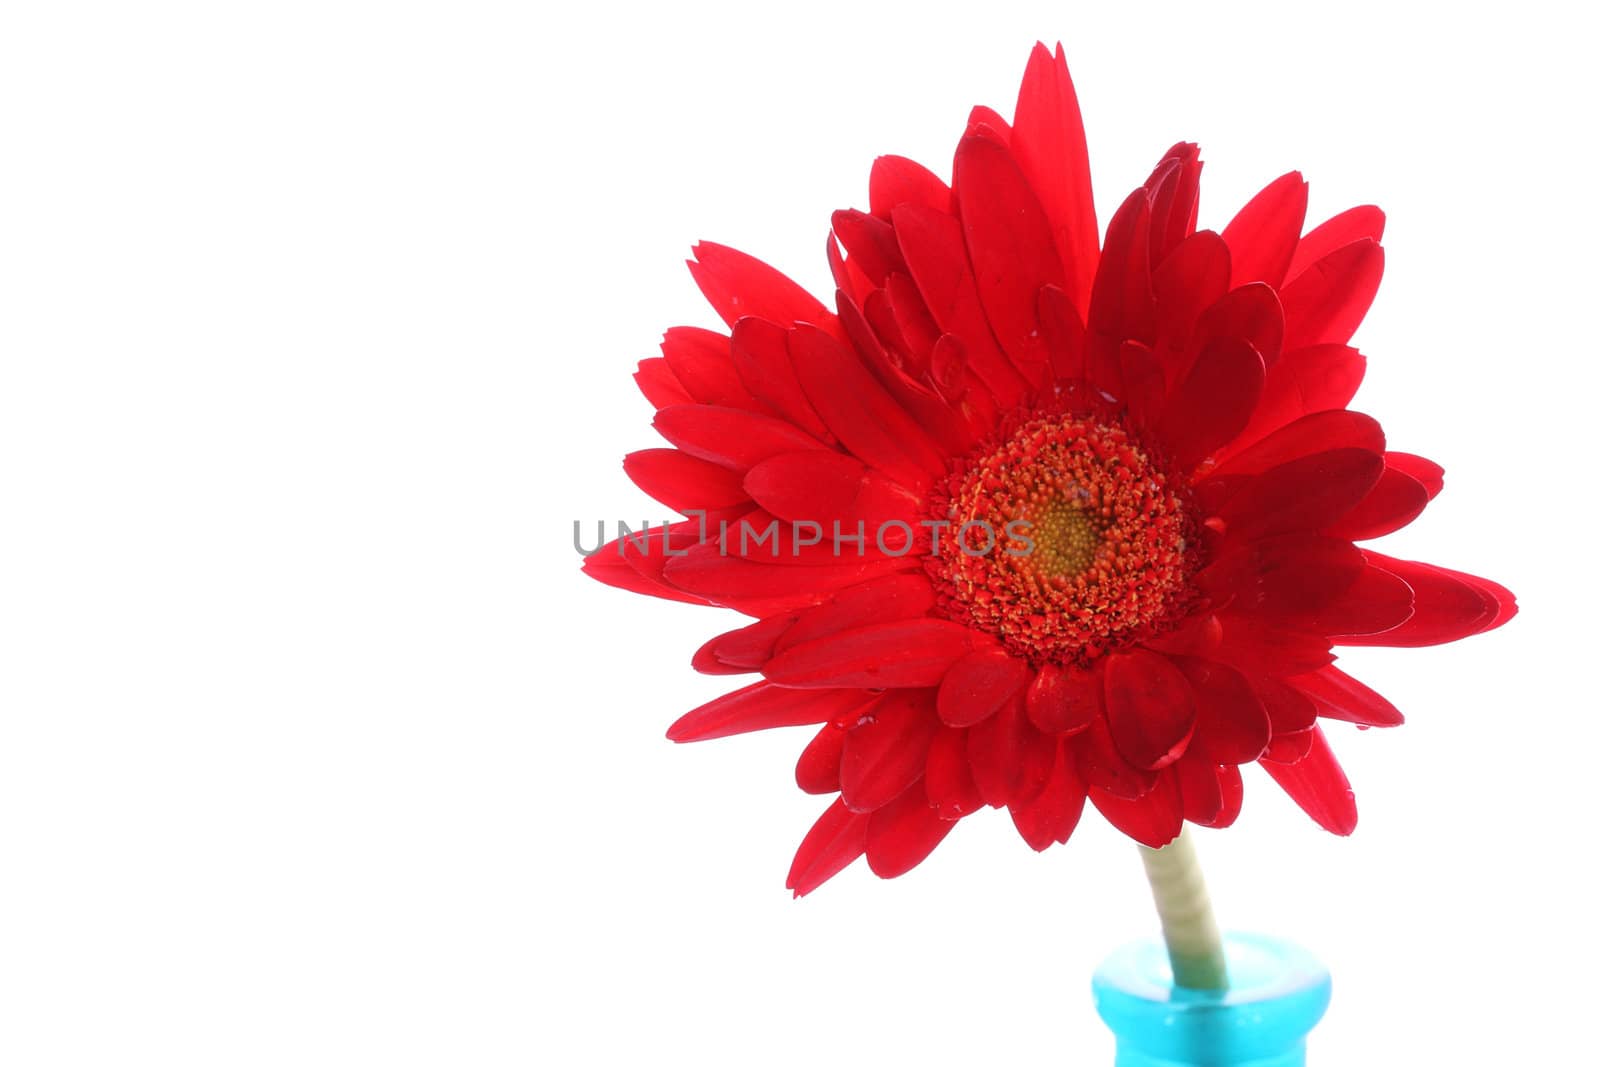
[[1029, 522]]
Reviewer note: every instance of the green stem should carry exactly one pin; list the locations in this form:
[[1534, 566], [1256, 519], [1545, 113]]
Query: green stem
[[1187, 923]]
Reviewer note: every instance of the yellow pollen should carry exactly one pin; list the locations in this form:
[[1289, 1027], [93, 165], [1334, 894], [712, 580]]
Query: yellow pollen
[[1067, 536]]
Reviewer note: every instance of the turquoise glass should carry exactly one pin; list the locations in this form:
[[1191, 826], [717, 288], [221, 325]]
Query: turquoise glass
[[1277, 993]]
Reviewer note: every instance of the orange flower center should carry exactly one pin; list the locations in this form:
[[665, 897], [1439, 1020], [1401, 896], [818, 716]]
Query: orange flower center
[[1066, 540]]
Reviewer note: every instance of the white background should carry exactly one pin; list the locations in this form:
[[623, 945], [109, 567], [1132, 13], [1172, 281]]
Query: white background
[[318, 321]]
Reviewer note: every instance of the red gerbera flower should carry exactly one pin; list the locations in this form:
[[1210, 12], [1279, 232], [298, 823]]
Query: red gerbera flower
[[1028, 521]]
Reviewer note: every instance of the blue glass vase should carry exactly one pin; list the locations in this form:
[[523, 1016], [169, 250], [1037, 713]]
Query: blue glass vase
[[1277, 993]]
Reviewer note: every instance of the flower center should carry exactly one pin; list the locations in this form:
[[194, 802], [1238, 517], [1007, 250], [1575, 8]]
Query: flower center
[[1087, 541]]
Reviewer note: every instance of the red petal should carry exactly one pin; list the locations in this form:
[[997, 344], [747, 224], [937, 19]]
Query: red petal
[[1061, 327], [947, 366], [1065, 700], [1339, 696], [896, 596], [1049, 146], [844, 274], [741, 651], [1013, 255], [885, 343], [1038, 764], [1122, 307], [864, 417], [826, 487], [1209, 407], [870, 243], [1263, 236], [1394, 501], [703, 363], [1347, 227], [707, 570], [1232, 785], [1231, 726], [833, 843], [1153, 820], [817, 770], [857, 285], [885, 752], [896, 180], [682, 482], [764, 706], [1326, 303], [760, 354], [1317, 783], [1448, 606], [1149, 707], [1504, 600], [634, 559], [1102, 766], [1265, 646], [1289, 710], [904, 654], [979, 684], [986, 122], [951, 425], [649, 550], [1319, 378], [1322, 431], [1174, 187], [1144, 385], [1289, 748], [1212, 794], [1283, 576], [1198, 635], [1199, 789], [948, 776], [611, 569], [1250, 313], [1192, 278], [1426, 471], [995, 749], [729, 437], [911, 318], [1308, 493], [737, 285], [936, 255], [1054, 813], [901, 835], [1375, 602], [659, 385]]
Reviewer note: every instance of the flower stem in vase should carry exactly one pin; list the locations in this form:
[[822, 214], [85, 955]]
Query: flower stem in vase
[[1187, 923]]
